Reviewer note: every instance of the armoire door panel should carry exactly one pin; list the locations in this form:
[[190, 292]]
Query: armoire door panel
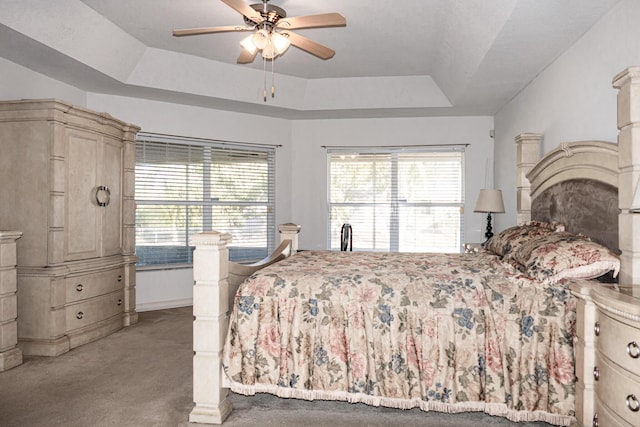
[[82, 226], [111, 215]]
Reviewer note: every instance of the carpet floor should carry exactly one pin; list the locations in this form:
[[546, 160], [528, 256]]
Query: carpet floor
[[141, 376]]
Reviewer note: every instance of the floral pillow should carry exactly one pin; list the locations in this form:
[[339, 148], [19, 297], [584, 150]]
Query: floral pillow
[[565, 255], [508, 241]]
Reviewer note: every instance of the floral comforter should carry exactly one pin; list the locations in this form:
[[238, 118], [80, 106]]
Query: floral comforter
[[444, 332]]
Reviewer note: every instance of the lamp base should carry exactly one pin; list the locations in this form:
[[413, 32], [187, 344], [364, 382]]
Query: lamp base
[[489, 233]]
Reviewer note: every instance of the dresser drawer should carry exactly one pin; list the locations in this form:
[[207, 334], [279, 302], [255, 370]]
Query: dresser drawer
[[604, 418], [91, 285], [620, 388], [88, 312], [620, 342]]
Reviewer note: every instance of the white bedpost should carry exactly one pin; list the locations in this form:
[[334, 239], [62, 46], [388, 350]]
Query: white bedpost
[[528, 154], [628, 84], [211, 318], [290, 231]]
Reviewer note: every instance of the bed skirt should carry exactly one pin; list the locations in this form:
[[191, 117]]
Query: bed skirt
[[495, 409]]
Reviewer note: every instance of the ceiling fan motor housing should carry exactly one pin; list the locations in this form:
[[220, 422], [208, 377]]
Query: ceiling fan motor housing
[[270, 13]]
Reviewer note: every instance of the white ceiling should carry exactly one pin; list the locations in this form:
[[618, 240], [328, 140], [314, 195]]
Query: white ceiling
[[394, 58]]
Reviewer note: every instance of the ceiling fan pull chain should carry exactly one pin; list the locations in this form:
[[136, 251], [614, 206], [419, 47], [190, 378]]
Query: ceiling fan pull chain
[[264, 69], [273, 78]]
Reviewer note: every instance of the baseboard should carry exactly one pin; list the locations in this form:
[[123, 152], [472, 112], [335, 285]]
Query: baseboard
[[160, 305]]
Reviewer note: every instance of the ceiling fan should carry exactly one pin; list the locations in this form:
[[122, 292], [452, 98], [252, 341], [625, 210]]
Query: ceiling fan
[[270, 26]]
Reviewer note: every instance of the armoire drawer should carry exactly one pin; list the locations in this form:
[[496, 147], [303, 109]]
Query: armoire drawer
[[94, 310], [620, 342], [621, 389], [91, 285]]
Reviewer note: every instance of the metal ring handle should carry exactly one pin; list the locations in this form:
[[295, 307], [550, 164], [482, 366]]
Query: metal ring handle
[[120, 302], [79, 287], [596, 373], [633, 350], [100, 190], [596, 423], [596, 328], [632, 403], [79, 315]]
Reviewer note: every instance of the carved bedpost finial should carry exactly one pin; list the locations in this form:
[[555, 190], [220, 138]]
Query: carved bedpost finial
[[289, 231]]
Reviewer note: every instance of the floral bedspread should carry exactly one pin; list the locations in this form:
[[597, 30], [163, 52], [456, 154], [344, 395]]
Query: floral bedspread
[[444, 332]]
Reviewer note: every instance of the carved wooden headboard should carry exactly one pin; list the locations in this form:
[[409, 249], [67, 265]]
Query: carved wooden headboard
[[577, 184]]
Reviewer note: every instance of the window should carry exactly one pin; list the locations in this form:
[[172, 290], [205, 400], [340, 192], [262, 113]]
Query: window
[[185, 186], [398, 200]]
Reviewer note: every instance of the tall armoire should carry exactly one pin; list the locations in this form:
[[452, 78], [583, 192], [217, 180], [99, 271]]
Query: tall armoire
[[67, 182]]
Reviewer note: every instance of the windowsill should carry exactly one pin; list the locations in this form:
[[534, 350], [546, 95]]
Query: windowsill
[[143, 268]]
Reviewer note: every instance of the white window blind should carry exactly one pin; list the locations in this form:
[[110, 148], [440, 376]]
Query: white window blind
[[185, 186], [399, 200]]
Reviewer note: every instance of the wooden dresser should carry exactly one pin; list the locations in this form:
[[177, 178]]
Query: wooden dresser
[[608, 355], [10, 354], [68, 183]]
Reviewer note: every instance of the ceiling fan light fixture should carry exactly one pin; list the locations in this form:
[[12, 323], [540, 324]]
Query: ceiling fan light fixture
[[248, 45], [261, 38], [270, 51], [280, 42]]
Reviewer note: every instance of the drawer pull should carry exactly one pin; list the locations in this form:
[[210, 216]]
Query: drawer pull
[[120, 302], [595, 421], [596, 373], [120, 278], [633, 350], [79, 287], [632, 403], [596, 328], [80, 315]]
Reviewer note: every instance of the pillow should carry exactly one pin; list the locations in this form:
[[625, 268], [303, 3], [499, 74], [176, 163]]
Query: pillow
[[508, 241], [565, 255]]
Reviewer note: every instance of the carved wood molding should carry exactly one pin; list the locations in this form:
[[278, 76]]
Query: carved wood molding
[[597, 160]]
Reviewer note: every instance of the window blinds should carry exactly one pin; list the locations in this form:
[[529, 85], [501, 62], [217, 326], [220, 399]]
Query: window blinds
[[185, 186], [397, 200]]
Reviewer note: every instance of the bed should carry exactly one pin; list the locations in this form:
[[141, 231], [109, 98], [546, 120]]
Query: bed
[[491, 331]]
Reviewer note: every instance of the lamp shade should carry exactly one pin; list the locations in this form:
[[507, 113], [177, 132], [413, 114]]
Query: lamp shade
[[248, 45], [490, 200], [280, 42]]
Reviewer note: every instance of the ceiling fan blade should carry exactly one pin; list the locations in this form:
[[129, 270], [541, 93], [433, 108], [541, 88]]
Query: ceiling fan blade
[[312, 21], [247, 57], [310, 46], [244, 9], [209, 30]]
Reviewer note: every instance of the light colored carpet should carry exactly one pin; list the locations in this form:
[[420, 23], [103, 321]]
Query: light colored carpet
[[141, 376]]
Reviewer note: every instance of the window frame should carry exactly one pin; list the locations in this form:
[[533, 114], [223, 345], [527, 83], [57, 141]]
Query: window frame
[[206, 202], [395, 203]]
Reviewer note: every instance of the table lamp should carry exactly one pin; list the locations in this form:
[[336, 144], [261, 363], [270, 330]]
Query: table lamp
[[489, 201]]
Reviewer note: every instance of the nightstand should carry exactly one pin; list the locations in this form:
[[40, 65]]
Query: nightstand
[[608, 354], [472, 248]]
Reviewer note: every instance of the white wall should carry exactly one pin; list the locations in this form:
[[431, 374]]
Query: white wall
[[572, 99], [309, 183], [18, 82]]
